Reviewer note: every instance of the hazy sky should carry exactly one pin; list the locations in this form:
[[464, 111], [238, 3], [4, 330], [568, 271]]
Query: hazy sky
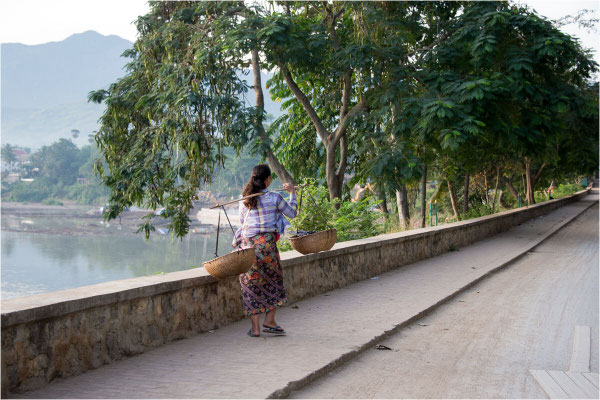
[[42, 21]]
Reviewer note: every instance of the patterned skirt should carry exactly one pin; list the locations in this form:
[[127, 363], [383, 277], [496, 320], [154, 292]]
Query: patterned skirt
[[262, 285]]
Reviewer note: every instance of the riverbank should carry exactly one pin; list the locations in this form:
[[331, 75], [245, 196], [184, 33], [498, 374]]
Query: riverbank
[[75, 219]]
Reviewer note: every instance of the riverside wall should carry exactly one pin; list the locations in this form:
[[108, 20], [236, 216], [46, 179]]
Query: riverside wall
[[65, 333]]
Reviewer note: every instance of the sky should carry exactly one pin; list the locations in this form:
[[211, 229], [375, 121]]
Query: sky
[[41, 21]]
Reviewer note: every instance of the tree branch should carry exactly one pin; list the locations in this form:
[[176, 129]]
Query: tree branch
[[260, 98], [511, 188], [346, 79], [538, 174], [301, 97], [339, 173], [279, 169], [427, 49], [331, 25], [345, 121]]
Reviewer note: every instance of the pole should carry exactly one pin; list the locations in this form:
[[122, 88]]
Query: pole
[[252, 195], [236, 200]]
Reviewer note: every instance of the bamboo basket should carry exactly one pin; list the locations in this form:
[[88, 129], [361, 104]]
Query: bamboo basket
[[232, 264], [315, 242]]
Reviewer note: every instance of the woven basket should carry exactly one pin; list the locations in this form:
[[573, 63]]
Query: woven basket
[[315, 242], [232, 264]]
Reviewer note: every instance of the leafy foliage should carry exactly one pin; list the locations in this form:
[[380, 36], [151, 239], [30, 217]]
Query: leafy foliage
[[352, 220], [380, 91], [55, 169], [181, 101]]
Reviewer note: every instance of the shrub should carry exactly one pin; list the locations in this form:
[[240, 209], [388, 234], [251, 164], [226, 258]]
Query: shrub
[[566, 189], [95, 193], [478, 210], [29, 191], [52, 202]]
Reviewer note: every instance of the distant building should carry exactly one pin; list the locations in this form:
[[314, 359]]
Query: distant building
[[83, 181], [21, 155], [22, 158]]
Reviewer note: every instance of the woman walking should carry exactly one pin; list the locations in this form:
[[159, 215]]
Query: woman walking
[[262, 219]]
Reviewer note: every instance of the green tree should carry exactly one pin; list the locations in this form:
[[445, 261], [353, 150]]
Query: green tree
[[7, 154], [58, 163], [180, 103], [386, 90], [500, 85]]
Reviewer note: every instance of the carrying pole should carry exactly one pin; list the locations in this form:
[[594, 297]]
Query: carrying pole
[[236, 200], [251, 195]]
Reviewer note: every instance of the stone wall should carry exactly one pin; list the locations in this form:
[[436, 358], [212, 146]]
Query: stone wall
[[67, 332]]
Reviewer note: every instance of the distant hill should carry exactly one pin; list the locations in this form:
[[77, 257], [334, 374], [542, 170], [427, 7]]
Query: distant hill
[[45, 87]]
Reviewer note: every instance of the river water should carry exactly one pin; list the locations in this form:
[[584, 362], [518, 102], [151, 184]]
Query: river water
[[91, 252]]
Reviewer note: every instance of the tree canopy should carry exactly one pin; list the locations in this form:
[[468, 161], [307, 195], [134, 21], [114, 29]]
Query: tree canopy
[[381, 91]]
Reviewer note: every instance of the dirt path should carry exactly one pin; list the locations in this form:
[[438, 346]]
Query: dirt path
[[482, 344]]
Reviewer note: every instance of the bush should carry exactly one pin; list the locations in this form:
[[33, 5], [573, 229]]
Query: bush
[[478, 210], [51, 202], [357, 220], [562, 190], [566, 190], [91, 194], [313, 216], [34, 192]]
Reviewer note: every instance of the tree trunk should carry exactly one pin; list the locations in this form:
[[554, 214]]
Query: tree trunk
[[537, 175], [334, 183], [403, 211], [434, 195], [496, 189], [466, 193], [330, 139], [529, 183], [274, 163], [485, 182], [511, 188], [501, 199], [423, 194], [453, 200], [381, 196]]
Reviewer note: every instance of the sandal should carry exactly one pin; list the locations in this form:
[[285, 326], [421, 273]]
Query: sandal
[[252, 334], [276, 330]]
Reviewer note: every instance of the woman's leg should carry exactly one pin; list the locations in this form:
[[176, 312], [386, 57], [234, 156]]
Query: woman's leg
[[270, 319], [255, 321]]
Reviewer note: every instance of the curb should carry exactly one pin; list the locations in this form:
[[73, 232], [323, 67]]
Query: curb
[[300, 383]]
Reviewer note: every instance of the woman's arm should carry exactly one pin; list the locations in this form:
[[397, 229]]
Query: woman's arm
[[288, 209]]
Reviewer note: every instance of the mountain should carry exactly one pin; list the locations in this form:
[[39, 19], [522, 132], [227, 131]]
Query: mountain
[[45, 87], [45, 75]]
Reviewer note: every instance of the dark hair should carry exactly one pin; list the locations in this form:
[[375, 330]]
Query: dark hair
[[256, 183]]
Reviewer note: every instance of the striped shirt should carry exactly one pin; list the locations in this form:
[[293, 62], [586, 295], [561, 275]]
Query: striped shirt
[[267, 216]]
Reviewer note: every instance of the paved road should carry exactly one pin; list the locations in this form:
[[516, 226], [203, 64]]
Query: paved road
[[482, 343]]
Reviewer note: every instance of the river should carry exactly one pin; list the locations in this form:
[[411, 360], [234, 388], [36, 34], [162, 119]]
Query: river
[[47, 253]]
